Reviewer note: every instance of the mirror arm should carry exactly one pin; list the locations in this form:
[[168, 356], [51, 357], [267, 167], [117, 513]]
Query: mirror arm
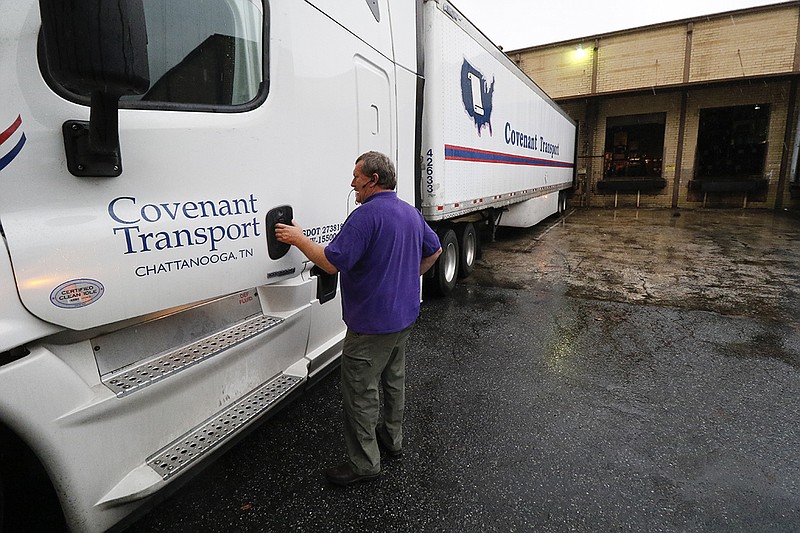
[[104, 122], [92, 148]]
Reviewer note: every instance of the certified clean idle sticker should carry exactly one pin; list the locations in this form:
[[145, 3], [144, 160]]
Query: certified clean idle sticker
[[77, 293]]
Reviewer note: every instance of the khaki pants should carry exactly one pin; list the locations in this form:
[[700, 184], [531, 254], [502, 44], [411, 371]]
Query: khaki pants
[[368, 360]]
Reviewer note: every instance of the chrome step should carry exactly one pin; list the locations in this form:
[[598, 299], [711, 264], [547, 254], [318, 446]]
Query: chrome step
[[207, 436], [140, 375]]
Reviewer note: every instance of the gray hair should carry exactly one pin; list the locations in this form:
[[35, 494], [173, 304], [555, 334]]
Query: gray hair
[[380, 164]]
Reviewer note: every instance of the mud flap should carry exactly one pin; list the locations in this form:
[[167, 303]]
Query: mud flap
[[327, 284]]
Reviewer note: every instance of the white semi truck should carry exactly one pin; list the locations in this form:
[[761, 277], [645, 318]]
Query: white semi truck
[[148, 317]]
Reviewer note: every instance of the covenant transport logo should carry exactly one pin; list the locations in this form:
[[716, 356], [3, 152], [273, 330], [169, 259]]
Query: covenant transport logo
[[476, 92]]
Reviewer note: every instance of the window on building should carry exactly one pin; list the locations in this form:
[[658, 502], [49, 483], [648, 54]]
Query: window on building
[[634, 145], [202, 54], [732, 142]]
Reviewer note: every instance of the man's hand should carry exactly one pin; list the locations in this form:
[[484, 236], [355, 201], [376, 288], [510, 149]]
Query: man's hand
[[289, 234], [315, 252]]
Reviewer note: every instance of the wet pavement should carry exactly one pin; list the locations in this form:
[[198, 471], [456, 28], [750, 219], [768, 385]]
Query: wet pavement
[[613, 370]]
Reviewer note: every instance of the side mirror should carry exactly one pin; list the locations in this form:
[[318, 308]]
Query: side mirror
[[96, 47]]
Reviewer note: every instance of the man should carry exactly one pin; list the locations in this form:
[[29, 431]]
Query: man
[[381, 251]]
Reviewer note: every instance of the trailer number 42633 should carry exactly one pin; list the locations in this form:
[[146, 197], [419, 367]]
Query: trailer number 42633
[[429, 171]]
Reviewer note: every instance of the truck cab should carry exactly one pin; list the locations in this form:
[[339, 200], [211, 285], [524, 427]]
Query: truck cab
[[147, 316]]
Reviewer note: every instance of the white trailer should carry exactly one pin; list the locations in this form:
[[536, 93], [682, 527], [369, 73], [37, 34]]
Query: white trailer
[[495, 148], [148, 317]]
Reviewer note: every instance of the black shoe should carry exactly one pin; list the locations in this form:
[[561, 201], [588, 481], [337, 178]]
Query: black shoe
[[344, 474]]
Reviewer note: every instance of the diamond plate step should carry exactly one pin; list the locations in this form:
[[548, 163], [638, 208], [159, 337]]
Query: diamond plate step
[[204, 438], [138, 376]]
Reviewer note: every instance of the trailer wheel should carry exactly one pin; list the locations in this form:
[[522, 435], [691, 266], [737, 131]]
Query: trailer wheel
[[468, 247], [562, 202], [446, 269]]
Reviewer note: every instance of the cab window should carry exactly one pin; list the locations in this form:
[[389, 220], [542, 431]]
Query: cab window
[[202, 54]]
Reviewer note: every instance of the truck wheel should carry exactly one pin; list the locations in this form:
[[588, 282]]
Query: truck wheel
[[28, 501], [562, 202], [468, 248], [446, 269]]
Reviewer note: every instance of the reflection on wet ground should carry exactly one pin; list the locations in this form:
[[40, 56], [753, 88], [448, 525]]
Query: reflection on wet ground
[[612, 371], [733, 262]]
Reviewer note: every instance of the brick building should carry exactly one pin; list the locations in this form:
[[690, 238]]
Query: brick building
[[696, 112]]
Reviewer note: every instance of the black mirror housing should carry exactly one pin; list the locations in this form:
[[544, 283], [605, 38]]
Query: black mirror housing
[[96, 45]]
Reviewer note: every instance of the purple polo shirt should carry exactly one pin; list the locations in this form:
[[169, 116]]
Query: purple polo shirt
[[377, 253]]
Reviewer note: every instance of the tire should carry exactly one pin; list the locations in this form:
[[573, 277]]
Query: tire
[[468, 247], [446, 269], [28, 501], [562, 202]]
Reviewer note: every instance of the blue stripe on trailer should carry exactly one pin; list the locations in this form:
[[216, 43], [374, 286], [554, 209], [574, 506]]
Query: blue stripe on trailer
[[460, 153]]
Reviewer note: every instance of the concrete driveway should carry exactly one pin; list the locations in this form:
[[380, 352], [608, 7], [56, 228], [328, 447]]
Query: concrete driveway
[[609, 371]]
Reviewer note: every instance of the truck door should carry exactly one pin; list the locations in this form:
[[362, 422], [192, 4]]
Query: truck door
[[89, 250]]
